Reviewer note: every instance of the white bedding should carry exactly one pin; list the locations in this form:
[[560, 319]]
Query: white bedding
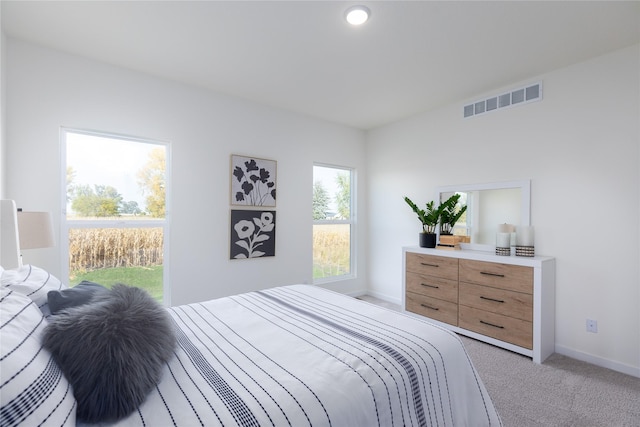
[[300, 355]]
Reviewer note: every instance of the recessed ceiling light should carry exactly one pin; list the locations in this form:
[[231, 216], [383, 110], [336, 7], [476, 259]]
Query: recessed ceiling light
[[357, 15]]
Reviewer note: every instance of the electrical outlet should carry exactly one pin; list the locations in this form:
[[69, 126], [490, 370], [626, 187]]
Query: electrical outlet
[[592, 326]]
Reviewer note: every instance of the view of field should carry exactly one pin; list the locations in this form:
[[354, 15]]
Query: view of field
[[133, 256], [107, 256], [331, 253]]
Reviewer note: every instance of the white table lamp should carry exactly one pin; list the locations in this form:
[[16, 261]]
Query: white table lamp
[[35, 230]]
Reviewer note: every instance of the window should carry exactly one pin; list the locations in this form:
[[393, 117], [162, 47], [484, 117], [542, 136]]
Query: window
[[115, 196], [333, 223]]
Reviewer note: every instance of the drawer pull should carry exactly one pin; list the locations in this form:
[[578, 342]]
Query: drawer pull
[[491, 299], [429, 307], [491, 324], [486, 273], [429, 265], [430, 286]]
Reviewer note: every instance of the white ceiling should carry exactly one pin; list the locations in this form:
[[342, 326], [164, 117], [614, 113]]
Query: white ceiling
[[410, 57]]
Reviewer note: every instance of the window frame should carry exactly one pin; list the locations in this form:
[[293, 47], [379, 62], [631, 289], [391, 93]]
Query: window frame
[[67, 224], [351, 221]]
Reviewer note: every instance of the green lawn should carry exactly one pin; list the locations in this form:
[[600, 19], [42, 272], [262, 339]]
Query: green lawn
[[148, 278]]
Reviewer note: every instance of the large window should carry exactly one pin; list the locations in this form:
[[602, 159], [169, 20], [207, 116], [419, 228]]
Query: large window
[[333, 223], [115, 219]]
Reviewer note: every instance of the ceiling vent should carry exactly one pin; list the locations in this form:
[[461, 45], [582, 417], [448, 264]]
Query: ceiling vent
[[519, 96]]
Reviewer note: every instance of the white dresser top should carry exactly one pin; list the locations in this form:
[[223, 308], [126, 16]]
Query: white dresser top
[[535, 261]]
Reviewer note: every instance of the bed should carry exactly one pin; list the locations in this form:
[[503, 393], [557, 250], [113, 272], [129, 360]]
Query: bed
[[294, 355]]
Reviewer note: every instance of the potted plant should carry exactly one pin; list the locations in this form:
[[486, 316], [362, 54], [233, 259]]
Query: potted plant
[[450, 213], [429, 218]]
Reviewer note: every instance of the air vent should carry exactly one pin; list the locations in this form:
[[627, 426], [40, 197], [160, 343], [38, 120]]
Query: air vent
[[518, 96]]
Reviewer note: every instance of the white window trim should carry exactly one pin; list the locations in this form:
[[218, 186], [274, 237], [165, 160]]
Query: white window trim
[[164, 223]]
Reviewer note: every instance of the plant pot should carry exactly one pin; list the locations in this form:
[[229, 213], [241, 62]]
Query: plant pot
[[427, 240]]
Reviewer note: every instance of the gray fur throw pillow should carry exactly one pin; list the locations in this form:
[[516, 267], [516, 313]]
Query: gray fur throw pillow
[[112, 350]]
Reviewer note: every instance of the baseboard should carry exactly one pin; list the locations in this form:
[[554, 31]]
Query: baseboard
[[384, 297], [598, 361]]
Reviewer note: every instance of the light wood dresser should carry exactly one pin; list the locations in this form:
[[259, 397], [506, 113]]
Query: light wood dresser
[[506, 301]]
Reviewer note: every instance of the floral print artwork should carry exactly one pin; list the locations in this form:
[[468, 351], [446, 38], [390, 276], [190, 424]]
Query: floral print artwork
[[253, 234], [253, 181]]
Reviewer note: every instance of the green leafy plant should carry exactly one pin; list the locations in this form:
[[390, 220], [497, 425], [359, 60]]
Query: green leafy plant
[[428, 217], [450, 213]]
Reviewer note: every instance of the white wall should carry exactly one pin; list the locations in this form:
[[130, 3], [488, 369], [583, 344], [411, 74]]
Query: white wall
[[2, 110], [580, 148], [48, 89]]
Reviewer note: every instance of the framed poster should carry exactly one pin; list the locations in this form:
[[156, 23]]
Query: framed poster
[[253, 181], [253, 234]]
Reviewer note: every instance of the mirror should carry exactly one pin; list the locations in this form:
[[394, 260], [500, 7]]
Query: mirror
[[489, 205]]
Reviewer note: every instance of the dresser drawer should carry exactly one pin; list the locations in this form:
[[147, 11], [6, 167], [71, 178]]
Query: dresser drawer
[[495, 300], [432, 265], [504, 276], [435, 287], [434, 308], [514, 331]]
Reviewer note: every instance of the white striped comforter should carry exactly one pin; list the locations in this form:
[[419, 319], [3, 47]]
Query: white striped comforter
[[303, 356]]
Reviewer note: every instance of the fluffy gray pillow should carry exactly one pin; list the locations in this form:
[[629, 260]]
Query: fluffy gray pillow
[[112, 350]]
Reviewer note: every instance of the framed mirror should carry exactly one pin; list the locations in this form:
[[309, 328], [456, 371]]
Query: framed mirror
[[488, 206]]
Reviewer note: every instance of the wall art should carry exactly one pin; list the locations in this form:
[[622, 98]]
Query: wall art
[[253, 234], [253, 181]]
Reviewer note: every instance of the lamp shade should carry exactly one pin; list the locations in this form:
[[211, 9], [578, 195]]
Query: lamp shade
[[35, 230]]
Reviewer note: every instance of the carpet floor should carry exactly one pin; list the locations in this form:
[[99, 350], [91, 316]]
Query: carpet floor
[[560, 392]]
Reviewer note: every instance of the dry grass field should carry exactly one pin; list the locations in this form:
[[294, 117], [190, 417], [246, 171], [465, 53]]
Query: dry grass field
[[94, 248], [132, 256], [104, 255], [331, 256]]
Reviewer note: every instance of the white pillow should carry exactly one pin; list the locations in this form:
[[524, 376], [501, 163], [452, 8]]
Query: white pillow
[[33, 282], [33, 390]]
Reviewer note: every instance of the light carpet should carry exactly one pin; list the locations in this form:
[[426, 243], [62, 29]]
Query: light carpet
[[560, 392]]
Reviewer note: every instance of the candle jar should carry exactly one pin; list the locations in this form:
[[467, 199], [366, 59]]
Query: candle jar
[[503, 244], [524, 241]]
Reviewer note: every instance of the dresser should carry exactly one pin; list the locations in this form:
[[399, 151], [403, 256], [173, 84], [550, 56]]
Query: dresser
[[506, 301]]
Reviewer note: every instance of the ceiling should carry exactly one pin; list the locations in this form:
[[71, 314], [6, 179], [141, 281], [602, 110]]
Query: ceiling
[[410, 57]]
